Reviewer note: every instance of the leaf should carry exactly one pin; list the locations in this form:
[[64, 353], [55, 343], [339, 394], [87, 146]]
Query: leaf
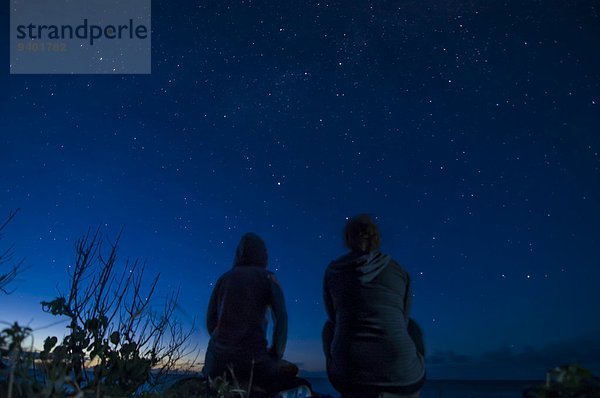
[[57, 306], [49, 343], [115, 337], [93, 325]]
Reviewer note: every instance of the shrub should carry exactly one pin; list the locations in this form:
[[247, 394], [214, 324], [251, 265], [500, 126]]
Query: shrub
[[115, 343]]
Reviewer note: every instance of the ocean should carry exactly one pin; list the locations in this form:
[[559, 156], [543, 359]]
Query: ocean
[[453, 388], [432, 388]]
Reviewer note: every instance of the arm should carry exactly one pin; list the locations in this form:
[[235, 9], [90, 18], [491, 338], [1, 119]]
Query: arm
[[212, 313], [414, 330], [329, 327], [280, 318], [407, 296], [328, 301]]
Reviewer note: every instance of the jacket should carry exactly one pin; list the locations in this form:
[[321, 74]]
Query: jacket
[[367, 299], [238, 307]]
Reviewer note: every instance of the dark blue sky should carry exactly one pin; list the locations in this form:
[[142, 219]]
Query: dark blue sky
[[470, 129]]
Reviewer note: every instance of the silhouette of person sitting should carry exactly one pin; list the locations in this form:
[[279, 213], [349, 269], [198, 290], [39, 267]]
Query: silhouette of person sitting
[[237, 321], [368, 339]]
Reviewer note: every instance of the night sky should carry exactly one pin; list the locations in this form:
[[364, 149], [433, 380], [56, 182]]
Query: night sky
[[469, 129]]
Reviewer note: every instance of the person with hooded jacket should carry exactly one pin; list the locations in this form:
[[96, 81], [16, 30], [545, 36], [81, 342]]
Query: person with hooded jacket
[[237, 321], [371, 346]]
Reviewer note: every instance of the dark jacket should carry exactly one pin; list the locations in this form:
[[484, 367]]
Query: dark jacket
[[367, 299], [238, 308]]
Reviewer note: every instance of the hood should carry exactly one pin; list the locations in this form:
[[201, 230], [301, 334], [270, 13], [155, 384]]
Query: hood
[[251, 251], [367, 265]]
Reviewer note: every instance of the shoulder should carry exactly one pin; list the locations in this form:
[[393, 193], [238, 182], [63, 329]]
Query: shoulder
[[264, 275], [395, 263], [226, 275], [344, 258], [272, 279], [398, 268], [269, 275], [338, 262], [217, 286], [332, 265]]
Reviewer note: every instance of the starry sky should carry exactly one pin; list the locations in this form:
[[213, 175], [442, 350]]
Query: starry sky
[[468, 128]]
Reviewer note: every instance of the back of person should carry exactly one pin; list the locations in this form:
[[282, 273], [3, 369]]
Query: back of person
[[237, 320], [241, 325], [368, 294], [366, 338]]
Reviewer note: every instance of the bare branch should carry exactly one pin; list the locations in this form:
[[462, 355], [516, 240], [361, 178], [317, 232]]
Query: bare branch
[[6, 256], [108, 304]]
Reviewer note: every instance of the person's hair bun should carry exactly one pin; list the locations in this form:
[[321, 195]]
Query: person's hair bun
[[361, 234]]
